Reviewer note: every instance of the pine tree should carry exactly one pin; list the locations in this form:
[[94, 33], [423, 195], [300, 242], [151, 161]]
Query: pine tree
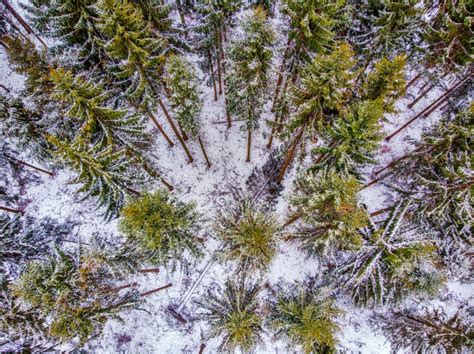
[[232, 313], [437, 177], [102, 172], [428, 330], [75, 295], [24, 239], [181, 82], [247, 77], [392, 264], [85, 102], [326, 204], [162, 224], [249, 236], [142, 55], [324, 88], [305, 314]]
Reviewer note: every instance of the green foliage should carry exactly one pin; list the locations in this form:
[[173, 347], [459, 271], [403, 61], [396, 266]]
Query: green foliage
[[232, 313], [354, 139], [249, 65], [248, 235], [386, 81], [140, 53], [182, 83], [77, 297], [324, 88], [85, 102], [305, 315], [326, 203], [312, 24], [161, 223], [392, 264], [428, 330], [102, 172], [438, 177]]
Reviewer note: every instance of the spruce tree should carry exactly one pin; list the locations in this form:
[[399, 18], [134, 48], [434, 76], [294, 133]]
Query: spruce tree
[[103, 173], [326, 204], [233, 315], [161, 224], [437, 177], [393, 264], [77, 296], [249, 236], [428, 329], [305, 314], [181, 82], [85, 102], [249, 65]]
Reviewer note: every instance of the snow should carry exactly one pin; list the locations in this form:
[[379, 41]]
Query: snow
[[150, 328]]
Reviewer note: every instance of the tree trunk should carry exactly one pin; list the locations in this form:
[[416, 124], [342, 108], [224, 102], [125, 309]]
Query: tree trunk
[[10, 210], [118, 288], [428, 110], [149, 270], [167, 185], [204, 151], [133, 191], [29, 165], [5, 88], [376, 180], [423, 94], [276, 121], [146, 293], [219, 75], [381, 211], [160, 128], [183, 133], [292, 219], [201, 348], [180, 11], [412, 81], [280, 74], [291, 154], [175, 130], [249, 143], [212, 74]]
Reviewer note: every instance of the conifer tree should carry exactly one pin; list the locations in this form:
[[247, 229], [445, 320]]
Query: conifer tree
[[75, 295], [102, 172], [161, 224], [181, 82], [233, 315], [392, 264], [247, 77], [85, 102], [305, 314], [142, 55], [326, 204], [437, 177], [324, 88], [428, 329], [249, 236], [25, 239]]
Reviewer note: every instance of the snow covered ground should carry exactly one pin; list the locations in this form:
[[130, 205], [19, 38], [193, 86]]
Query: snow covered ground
[[150, 329]]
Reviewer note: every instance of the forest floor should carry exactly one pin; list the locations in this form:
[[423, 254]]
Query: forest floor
[[151, 328]]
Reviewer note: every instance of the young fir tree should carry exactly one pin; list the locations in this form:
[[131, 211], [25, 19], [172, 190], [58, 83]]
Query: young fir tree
[[25, 239], [181, 82], [232, 314], [24, 327], [74, 26], [162, 224], [77, 296], [141, 53], [326, 204], [428, 330], [85, 103], [392, 264], [437, 177], [323, 90], [249, 66], [249, 236], [103, 173], [305, 314]]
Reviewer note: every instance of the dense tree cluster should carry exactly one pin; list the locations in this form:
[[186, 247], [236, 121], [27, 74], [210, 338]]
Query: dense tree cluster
[[104, 77]]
